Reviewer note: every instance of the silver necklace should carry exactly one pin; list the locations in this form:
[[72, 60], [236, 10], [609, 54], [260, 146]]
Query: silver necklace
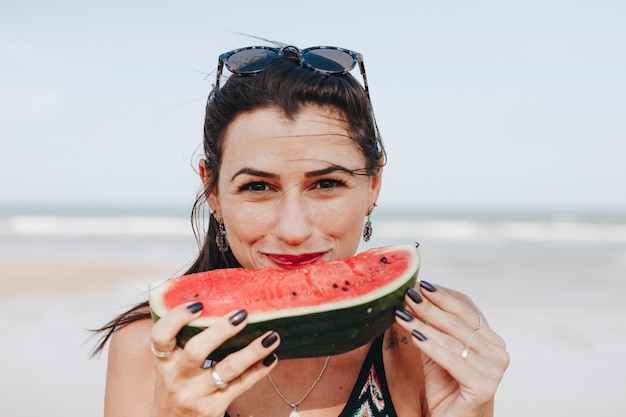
[[294, 411]]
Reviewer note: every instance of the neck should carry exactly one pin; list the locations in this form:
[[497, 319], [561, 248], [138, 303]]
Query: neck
[[296, 401]]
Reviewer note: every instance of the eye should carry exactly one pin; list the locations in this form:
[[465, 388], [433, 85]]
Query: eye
[[330, 183], [254, 186]]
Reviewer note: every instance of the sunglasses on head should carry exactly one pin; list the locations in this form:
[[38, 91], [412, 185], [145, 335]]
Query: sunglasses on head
[[327, 60]]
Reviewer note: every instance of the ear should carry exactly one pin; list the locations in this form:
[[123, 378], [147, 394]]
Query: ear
[[207, 177], [374, 191]]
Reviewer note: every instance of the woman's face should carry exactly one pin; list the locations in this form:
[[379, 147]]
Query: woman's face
[[291, 192]]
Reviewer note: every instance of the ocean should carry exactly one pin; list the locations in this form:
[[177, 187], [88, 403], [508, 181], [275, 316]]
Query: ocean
[[164, 235], [391, 225]]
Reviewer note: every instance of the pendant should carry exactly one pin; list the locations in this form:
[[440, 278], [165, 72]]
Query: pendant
[[294, 413]]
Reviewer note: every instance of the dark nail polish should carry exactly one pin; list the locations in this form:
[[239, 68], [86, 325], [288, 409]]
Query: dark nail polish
[[418, 335], [269, 339], [238, 317], [403, 315], [414, 295], [269, 359], [195, 307], [428, 286]]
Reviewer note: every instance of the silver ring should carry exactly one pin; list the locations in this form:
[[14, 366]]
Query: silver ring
[[465, 353], [217, 379], [160, 354], [480, 323]]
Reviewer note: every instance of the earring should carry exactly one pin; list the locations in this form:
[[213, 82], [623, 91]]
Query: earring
[[220, 239], [367, 228]]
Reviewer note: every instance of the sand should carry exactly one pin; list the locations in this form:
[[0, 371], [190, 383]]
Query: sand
[[564, 323]]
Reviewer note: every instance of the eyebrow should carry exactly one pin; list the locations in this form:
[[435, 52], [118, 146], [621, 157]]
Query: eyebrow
[[329, 170], [309, 174], [254, 173]]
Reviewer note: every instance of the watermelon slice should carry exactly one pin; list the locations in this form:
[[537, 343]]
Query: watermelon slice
[[325, 308]]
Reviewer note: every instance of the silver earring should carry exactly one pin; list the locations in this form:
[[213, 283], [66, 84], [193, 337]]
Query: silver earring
[[220, 239], [367, 228]]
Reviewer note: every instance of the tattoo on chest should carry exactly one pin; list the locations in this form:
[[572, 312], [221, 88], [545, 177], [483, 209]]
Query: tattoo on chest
[[394, 341]]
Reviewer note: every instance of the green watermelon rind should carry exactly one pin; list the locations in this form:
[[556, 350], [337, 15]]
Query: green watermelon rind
[[329, 332]]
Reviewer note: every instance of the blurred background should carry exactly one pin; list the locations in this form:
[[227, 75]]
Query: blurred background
[[506, 140]]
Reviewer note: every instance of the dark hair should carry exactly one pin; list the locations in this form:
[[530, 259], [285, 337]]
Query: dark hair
[[285, 85]]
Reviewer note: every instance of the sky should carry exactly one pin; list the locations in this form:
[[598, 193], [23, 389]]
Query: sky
[[482, 104]]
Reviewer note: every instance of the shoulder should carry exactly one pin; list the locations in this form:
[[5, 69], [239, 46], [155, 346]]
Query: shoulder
[[131, 340]]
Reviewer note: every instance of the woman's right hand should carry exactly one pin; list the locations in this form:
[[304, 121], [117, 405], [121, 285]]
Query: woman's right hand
[[183, 386]]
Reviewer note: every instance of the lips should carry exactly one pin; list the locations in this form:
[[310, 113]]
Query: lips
[[294, 261]]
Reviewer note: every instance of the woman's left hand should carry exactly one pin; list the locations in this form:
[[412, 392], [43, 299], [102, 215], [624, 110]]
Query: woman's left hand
[[464, 359]]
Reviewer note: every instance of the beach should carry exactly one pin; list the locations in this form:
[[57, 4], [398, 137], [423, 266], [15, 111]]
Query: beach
[[557, 303]]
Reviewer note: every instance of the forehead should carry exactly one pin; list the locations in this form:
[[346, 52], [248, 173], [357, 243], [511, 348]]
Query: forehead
[[268, 138]]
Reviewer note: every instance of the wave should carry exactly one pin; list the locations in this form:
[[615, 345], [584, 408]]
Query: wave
[[508, 231], [94, 226], [433, 230]]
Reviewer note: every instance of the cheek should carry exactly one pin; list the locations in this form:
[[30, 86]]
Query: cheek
[[344, 220], [244, 225], [248, 222]]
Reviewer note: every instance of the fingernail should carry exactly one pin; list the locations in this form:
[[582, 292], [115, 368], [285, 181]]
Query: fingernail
[[428, 286], [269, 359], [195, 307], [238, 317], [414, 295], [403, 315], [418, 335], [269, 339]]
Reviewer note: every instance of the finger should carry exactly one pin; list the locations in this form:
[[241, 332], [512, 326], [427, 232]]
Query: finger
[[453, 313], [241, 370], [447, 351], [245, 367], [164, 331], [434, 315], [458, 334], [246, 380], [200, 346]]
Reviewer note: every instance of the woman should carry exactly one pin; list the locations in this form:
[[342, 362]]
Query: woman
[[293, 167]]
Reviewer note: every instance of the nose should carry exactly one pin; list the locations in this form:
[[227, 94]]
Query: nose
[[293, 224]]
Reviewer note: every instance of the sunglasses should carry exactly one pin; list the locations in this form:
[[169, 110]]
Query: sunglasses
[[327, 60]]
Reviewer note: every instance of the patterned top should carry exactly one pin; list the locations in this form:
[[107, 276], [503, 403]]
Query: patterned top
[[370, 396]]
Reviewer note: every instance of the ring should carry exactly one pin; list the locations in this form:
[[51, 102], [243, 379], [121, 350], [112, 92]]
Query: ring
[[465, 353], [160, 354], [480, 323], [217, 379]]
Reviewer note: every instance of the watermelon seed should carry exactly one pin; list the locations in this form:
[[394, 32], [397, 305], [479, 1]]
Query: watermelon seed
[[196, 295], [295, 294], [383, 260], [345, 289], [335, 285], [347, 282]]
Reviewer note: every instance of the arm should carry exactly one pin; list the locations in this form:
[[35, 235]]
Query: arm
[[130, 372]]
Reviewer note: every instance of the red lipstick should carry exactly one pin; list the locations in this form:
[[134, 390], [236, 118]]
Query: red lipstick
[[294, 261]]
